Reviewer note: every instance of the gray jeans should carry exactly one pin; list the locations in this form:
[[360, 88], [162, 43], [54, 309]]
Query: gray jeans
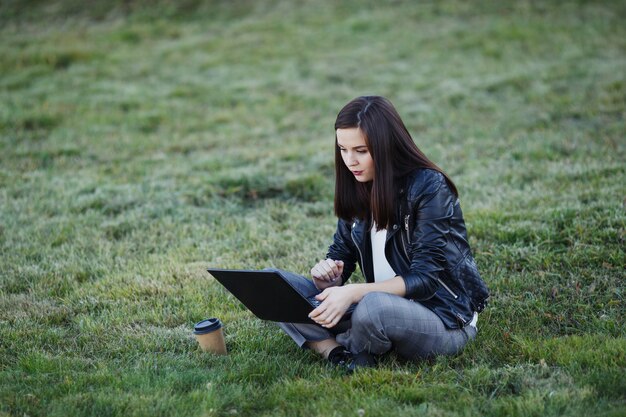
[[382, 322]]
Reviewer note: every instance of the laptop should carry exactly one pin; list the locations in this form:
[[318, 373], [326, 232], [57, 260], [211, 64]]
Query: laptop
[[269, 295]]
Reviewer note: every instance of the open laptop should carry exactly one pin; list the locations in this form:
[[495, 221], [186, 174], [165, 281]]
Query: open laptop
[[269, 295]]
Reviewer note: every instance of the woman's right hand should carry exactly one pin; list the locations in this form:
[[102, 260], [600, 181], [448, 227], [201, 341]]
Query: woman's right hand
[[327, 273]]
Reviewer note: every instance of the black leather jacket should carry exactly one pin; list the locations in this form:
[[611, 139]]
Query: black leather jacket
[[427, 246]]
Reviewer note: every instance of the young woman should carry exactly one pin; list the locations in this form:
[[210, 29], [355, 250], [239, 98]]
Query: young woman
[[401, 222]]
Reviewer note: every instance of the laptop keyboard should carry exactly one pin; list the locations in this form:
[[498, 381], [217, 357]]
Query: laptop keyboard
[[314, 302]]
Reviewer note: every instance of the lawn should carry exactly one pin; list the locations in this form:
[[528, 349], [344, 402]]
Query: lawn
[[144, 141]]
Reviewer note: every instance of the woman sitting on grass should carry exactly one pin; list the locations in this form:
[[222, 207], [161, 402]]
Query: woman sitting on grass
[[400, 220]]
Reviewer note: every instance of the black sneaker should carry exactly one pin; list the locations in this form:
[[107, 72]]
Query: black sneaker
[[340, 356]]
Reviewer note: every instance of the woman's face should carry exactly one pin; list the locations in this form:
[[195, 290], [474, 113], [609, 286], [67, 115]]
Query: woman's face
[[355, 154]]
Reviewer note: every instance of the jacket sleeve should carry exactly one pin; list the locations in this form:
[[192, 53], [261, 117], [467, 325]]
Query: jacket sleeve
[[432, 211], [343, 249]]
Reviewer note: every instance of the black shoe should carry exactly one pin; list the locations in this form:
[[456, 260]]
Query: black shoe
[[362, 360], [340, 356]]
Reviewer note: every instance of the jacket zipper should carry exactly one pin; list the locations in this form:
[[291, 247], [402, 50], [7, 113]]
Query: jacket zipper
[[447, 288], [357, 247], [406, 227], [408, 238]]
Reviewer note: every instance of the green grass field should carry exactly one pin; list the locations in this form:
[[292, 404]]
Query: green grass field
[[141, 142]]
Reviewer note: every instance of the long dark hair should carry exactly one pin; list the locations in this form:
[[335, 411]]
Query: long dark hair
[[394, 154]]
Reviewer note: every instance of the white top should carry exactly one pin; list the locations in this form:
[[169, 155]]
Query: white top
[[474, 320], [382, 269]]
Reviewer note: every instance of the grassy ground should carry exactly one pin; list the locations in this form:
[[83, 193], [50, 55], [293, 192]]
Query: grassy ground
[[141, 142]]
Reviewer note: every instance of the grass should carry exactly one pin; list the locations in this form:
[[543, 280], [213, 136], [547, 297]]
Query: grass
[[141, 142]]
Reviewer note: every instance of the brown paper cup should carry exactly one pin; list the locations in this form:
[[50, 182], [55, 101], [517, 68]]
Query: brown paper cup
[[210, 336]]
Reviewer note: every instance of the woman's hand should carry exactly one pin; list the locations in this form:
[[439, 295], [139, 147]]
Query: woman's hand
[[327, 273], [335, 302]]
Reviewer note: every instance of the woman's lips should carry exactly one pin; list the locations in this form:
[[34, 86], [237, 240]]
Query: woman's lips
[[357, 173]]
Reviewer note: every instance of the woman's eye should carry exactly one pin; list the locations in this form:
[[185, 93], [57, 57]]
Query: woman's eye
[[361, 151]]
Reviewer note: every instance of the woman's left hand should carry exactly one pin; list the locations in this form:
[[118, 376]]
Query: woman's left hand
[[335, 302]]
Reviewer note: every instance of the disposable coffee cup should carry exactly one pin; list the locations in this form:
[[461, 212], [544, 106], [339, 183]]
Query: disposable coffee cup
[[210, 336]]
